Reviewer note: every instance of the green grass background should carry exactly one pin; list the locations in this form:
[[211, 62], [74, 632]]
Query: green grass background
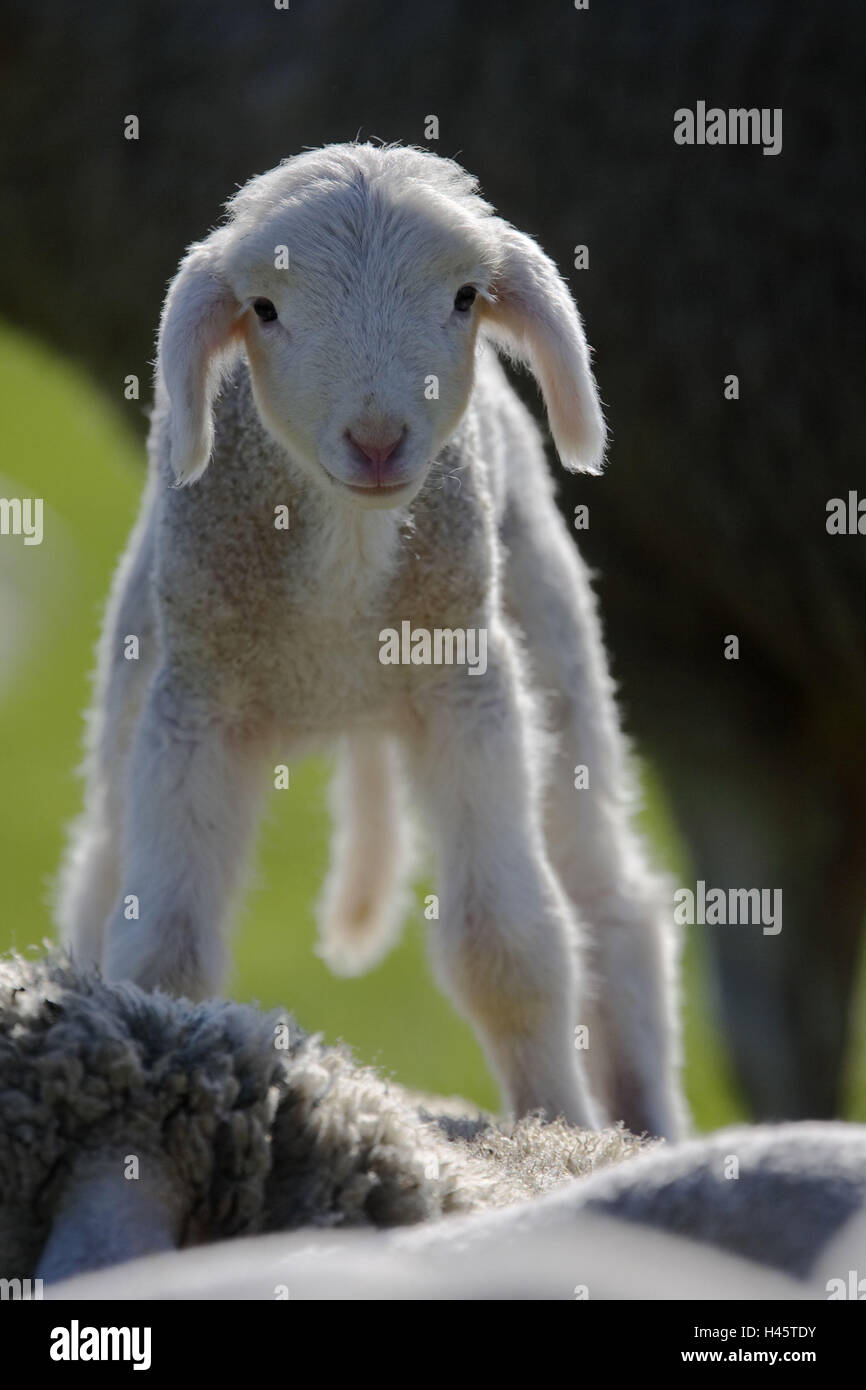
[[63, 441]]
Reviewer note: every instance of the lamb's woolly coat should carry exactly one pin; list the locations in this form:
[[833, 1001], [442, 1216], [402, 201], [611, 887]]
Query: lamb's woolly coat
[[258, 642]]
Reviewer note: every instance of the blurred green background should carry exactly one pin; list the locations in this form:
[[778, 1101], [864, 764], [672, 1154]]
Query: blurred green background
[[62, 441]]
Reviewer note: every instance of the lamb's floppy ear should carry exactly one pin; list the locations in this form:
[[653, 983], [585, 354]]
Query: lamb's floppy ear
[[200, 324], [534, 316]]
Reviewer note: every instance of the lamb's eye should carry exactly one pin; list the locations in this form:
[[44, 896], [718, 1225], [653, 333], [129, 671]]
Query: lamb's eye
[[465, 298], [265, 310]]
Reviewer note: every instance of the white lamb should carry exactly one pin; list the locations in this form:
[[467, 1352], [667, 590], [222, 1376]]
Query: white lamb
[[324, 351]]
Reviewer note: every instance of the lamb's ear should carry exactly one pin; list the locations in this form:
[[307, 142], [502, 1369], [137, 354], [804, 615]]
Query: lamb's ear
[[200, 325], [533, 315]]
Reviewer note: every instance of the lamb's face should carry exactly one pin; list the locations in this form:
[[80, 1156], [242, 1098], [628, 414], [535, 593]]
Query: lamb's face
[[355, 276], [360, 316]]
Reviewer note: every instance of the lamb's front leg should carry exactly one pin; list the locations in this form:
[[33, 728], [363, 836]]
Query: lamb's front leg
[[195, 785], [505, 944]]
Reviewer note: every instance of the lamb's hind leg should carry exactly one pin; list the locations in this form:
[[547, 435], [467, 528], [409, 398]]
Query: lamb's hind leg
[[633, 1033], [88, 882]]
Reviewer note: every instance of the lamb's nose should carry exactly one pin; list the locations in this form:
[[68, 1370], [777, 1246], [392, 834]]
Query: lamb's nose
[[374, 447]]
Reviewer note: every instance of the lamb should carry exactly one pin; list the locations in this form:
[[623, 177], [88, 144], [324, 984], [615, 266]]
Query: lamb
[[335, 451]]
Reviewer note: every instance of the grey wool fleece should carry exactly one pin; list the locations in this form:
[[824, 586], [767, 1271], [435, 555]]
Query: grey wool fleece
[[153, 1113], [132, 1122], [777, 1194]]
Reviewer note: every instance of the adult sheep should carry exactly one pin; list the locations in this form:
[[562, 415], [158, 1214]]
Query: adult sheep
[[133, 1124]]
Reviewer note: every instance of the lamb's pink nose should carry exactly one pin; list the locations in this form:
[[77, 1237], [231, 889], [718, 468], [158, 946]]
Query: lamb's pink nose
[[376, 449]]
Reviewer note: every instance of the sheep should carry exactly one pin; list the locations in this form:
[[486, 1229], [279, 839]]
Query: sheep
[[240, 1124], [336, 457], [127, 1121], [133, 1122], [521, 1253]]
